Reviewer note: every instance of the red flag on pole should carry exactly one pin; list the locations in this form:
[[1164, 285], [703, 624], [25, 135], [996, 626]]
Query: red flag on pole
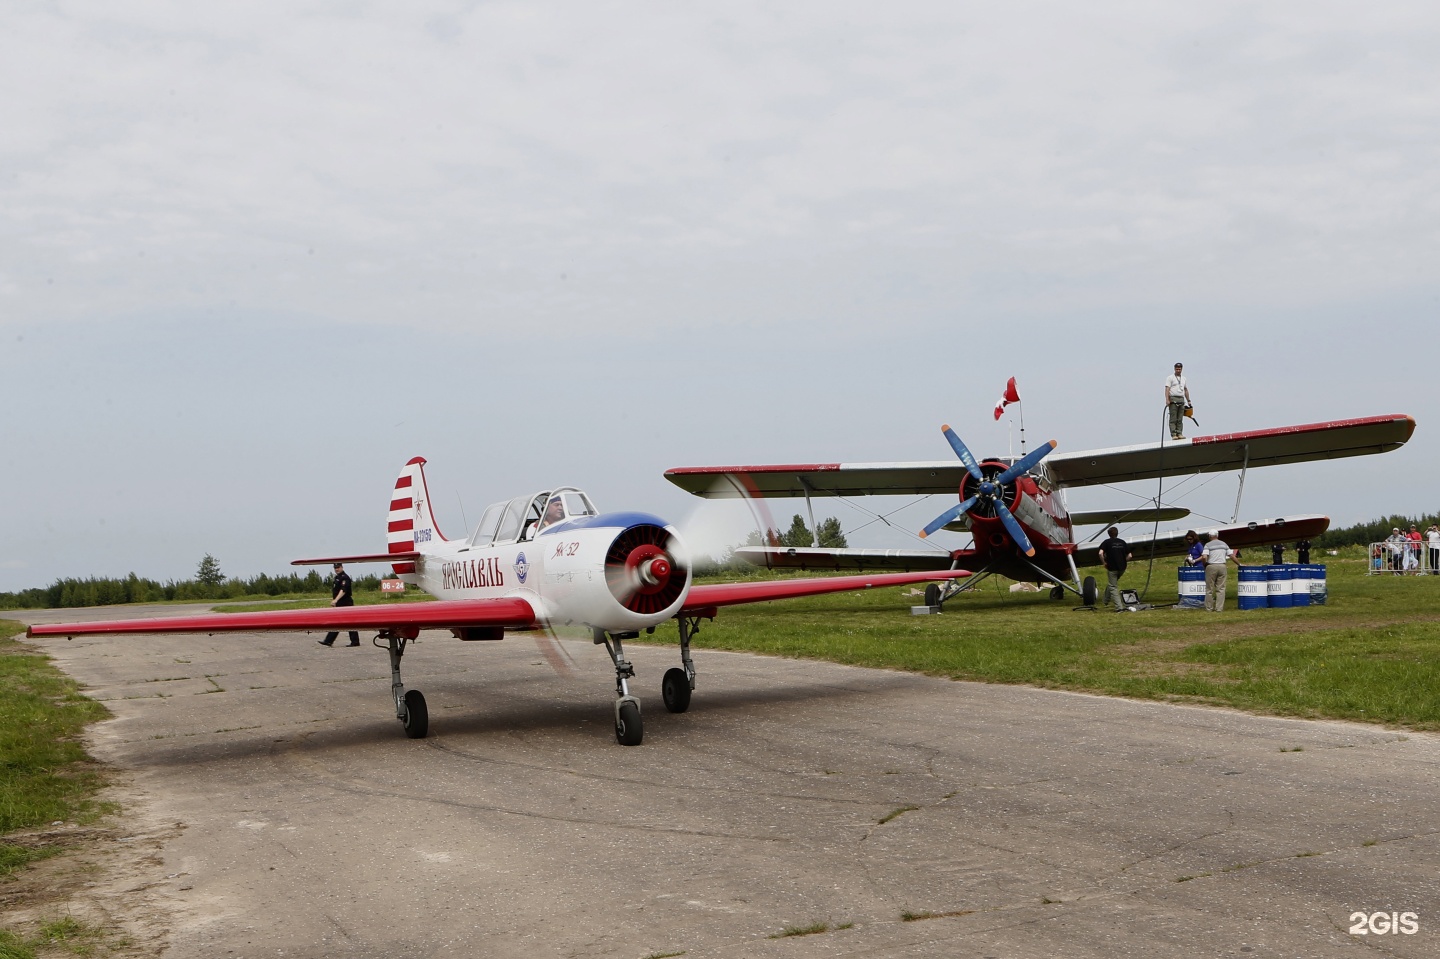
[[1012, 395]]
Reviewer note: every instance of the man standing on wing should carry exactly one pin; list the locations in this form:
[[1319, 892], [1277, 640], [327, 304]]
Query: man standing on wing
[[1177, 397], [1216, 555], [1114, 554]]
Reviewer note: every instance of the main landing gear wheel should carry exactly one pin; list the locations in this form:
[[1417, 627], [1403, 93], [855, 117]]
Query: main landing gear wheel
[[417, 715], [1088, 592], [1057, 592], [675, 688], [629, 730], [932, 594]]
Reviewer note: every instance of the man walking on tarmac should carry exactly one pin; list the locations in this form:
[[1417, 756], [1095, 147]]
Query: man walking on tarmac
[[1177, 397], [340, 595], [1114, 554]]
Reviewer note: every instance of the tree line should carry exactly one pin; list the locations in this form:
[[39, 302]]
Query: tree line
[[1374, 531], [209, 583]]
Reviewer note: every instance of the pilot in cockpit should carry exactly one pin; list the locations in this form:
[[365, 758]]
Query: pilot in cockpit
[[554, 513]]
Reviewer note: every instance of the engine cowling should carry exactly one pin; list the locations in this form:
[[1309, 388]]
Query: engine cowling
[[627, 571]]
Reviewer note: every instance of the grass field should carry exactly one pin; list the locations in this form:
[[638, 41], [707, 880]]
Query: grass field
[[1371, 654]]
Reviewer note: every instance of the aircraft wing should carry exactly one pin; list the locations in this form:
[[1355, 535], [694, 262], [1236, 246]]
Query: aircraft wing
[[1232, 451], [443, 614], [709, 595], [1262, 532], [1202, 454], [812, 557]]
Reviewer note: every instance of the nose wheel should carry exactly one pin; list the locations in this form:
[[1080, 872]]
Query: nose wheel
[[629, 727]]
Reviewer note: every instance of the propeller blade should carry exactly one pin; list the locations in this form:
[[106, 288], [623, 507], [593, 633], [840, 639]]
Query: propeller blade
[[1025, 463], [554, 653], [947, 516], [962, 451], [1013, 527]]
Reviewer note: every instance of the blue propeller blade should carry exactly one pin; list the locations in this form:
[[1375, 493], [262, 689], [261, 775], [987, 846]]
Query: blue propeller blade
[[947, 516], [1013, 527], [964, 453], [1024, 464]]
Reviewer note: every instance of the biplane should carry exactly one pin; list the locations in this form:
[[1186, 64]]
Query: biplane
[[535, 561], [1015, 508]]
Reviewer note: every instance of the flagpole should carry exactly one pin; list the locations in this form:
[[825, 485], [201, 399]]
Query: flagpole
[[1022, 428]]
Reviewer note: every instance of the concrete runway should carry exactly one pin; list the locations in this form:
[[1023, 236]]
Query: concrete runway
[[1018, 822]]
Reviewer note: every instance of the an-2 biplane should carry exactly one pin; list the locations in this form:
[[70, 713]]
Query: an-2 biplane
[[541, 559], [1015, 507]]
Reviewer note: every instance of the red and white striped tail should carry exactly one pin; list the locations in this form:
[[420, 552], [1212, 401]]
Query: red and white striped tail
[[411, 524]]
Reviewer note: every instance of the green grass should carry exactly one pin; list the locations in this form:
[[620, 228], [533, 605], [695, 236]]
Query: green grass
[[1371, 654], [44, 773]]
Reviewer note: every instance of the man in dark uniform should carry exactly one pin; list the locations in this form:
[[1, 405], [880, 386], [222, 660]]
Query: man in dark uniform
[[340, 591], [1114, 554]]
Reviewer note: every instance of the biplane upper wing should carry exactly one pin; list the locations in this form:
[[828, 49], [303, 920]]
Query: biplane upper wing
[[1232, 451], [1202, 454], [442, 614], [819, 479]]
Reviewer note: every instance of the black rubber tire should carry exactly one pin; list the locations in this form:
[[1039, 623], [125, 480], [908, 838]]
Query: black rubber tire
[[1088, 592], [932, 594], [417, 715], [629, 730], [1057, 592], [675, 690]]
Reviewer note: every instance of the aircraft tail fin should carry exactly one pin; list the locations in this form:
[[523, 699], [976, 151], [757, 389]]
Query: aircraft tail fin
[[410, 526]]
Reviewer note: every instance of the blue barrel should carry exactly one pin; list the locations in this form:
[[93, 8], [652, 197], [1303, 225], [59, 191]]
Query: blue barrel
[[1318, 593], [1300, 585], [1279, 581], [1192, 587], [1254, 588]]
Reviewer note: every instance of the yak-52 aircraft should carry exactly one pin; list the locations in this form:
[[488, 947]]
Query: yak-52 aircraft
[[533, 561], [1015, 507]]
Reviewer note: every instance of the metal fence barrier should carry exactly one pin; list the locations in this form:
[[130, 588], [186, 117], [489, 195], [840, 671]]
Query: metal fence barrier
[[1395, 558]]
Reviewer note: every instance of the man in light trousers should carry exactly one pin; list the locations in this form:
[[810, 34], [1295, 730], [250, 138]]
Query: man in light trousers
[[1215, 556]]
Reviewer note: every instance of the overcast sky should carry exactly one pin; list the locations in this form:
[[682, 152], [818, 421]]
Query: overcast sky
[[255, 257]]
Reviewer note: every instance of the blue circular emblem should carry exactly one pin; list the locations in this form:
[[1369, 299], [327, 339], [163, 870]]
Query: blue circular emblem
[[521, 568]]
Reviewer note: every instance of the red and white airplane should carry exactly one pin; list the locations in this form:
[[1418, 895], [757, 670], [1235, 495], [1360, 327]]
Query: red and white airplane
[[541, 559], [1015, 508]]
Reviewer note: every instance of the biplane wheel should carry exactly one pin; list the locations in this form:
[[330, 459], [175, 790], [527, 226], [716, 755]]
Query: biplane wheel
[[628, 728], [675, 689], [417, 715], [932, 594], [1089, 593], [1057, 592]]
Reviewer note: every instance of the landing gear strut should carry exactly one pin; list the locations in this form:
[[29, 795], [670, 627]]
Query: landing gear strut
[[629, 728], [679, 681], [410, 706]]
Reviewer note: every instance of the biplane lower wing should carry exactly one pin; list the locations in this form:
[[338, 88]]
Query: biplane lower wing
[[710, 595], [1261, 532]]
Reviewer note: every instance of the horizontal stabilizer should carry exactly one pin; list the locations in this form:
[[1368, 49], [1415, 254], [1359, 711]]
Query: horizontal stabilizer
[[409, 556]]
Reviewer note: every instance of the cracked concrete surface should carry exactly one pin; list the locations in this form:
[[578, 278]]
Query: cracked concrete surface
[[1043, 823]]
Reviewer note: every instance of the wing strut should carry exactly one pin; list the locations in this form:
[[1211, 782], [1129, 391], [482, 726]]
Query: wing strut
[[1244, 468], [814, 530]]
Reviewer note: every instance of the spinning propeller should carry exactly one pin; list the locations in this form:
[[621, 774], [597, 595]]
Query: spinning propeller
[[989, 497]]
